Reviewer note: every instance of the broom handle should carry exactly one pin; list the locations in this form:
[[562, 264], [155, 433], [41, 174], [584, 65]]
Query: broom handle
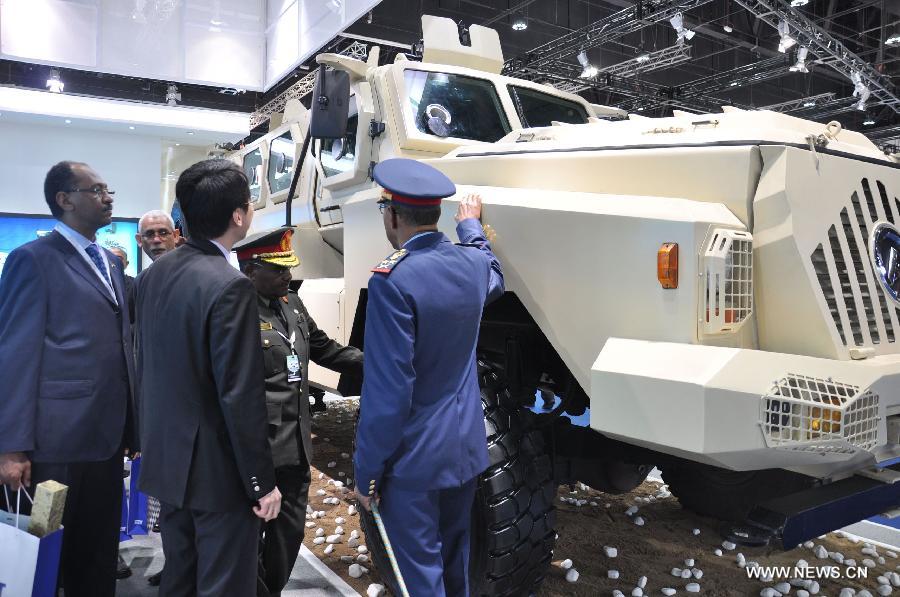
[[390, 550]]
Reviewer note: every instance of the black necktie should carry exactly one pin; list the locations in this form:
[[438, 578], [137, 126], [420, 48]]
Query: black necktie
[[276, 306]]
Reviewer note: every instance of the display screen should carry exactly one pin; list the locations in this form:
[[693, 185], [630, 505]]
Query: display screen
[[17, 229]]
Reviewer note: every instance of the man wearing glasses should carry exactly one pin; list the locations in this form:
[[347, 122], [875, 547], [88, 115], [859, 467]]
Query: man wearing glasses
[[157, 234], [67, 365]]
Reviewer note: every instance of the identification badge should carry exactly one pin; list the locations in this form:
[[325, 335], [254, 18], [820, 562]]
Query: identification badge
[[293, 367]]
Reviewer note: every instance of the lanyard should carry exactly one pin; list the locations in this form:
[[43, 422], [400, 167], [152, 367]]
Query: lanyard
[[290, 340]]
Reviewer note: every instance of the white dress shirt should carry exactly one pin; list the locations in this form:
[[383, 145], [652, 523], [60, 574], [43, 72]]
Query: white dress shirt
[[81, 244]]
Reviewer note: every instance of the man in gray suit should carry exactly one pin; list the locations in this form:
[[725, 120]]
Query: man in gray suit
[[67, 368], [206, 453]]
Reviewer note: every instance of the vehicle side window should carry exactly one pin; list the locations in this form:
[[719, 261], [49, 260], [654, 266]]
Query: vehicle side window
[[542, 109], [281, 162], [448, 105], [338, 155], [253, 170]]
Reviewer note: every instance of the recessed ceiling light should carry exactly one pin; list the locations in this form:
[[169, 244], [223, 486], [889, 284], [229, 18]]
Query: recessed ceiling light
[[68, 121], [893, 40], [733, 84], [809, 104], [177, 144], [131, 128], [728, 27], [190, 132], [520, 24], [799, 3], [868, 122]]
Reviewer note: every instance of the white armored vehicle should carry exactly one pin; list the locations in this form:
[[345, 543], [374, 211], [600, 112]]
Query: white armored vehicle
[[719, 290]]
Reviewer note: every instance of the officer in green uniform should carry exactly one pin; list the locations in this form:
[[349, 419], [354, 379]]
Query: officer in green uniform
[[289, 338]]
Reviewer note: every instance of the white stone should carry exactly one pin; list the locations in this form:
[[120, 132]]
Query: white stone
[[692, 587], [330, 482], [347, 559], [728, 545], [631, 511], [639, 521], [320, 532], [769, 592], [375, 590], [339, 520], [338, 484], [310, 524], [594, 504], [610, 552], [340, 474], [883, 580], [813, 587], [354, 534], [642, 582], [676, 572], [802, 593], [637, 592], [870, 551], [321, 492], [355, 570], [339, 530], [332, 464], [689, 562], [741, 560], [891, 554], [321, 475], [318, 540], [884, 590], [685, 573], [783, 587], [847, 592], [881, 561], [718, 552], [344, 455], [572, 575], [668, 591], [696, 531], [618, 593], [868, 563], [565, 564], [362, 549], [895, 579], [333, 539], [809, 544], [821, 552], [837, 557], [353, 542], [329, 549], [362, 558], [351, 511], [850, 563], [698, 574]]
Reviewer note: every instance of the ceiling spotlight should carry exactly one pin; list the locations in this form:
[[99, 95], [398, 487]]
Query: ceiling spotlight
[[786, 41], [860, 90], [644, 56], [733, 84], [868, 121], [54, 83], [588, 70], [130, 127], [809, 104], [369, 18], [68, 121], [800, 65], [799, 3], [678, 24], [519, 24], [893, 40], [728, 27], [172, 95]]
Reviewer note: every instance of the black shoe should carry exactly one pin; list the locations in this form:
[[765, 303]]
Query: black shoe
[[156, 528], [122, 569], [154, 580]]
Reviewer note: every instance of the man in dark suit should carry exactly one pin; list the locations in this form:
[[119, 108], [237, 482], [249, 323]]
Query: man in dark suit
[[67, 367], [206, 454], [289, 338], [420, 442]]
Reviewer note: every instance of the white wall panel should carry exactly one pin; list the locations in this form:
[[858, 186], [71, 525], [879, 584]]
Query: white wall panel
[[227, 59], [49, 31], [137, 39], [283, 44]]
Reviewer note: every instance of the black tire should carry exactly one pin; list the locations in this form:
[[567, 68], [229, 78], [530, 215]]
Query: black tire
[[728, 495], [514, 516]]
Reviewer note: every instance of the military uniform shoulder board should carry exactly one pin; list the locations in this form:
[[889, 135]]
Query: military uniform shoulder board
[[390, 262]]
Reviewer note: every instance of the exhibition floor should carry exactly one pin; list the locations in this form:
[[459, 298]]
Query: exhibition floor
[[310, 578]]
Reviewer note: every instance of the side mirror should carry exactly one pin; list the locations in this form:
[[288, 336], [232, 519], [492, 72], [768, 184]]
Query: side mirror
[[330, 104]]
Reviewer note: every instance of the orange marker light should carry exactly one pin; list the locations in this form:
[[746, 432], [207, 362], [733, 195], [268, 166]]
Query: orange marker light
[[667, 265]]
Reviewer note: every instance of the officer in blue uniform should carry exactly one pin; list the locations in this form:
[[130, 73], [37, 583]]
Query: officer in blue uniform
[[420, 442]]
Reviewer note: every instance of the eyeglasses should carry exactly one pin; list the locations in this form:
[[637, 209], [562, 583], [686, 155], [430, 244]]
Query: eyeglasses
[[383, 204], [96, 191], [162, 233]]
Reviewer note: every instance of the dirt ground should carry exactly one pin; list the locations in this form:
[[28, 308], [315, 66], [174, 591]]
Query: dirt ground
[[665, 540]]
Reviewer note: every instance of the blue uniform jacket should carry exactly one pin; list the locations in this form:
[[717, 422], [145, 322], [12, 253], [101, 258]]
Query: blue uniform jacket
[[421, 424]]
